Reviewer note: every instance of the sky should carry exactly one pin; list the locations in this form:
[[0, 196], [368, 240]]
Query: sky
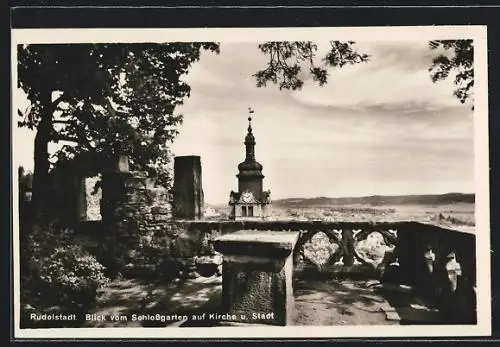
[[380, 127]]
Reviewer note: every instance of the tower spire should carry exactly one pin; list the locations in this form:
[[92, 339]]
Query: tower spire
[[250, 140]]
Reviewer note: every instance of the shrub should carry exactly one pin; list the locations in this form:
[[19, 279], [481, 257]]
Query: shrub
[[60, 271]]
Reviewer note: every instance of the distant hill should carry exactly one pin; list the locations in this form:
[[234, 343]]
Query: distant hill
[[379, 200]]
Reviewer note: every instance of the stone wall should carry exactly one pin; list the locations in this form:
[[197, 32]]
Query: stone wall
[[135, 213]]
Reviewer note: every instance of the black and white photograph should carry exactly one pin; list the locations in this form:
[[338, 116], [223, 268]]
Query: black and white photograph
[[247, 182]]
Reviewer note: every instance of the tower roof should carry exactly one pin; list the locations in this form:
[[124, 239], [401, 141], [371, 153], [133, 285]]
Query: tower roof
[[250, 167]]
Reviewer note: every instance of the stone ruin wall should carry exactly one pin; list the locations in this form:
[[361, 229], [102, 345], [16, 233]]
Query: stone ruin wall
[[127, 220], [134, 213], [137, 235]]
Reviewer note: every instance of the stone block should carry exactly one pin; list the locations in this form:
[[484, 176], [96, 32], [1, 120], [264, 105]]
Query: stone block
[[185, 246], [272, 244], [174, 229], [158, 230], [122, 164], [145, 210], [134, 182], [161, 209], [257, 275], [193, 275], [136, 197], [161, 217], [208, 265], [157, 195]]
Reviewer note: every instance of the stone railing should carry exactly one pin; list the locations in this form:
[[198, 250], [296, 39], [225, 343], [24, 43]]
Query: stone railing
[[417, 249], [365, 247], [438, 262], [335, 250]]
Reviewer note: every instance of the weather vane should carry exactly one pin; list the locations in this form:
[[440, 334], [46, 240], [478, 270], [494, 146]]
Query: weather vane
[[250, 111]]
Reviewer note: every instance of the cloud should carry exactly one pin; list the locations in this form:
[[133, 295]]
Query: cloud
[[385, 82]]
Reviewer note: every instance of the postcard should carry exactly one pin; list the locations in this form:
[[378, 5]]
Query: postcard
[[244, 182]]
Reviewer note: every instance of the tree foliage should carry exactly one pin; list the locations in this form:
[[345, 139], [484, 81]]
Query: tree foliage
[[102, 99], [458, 60], [291, 62]]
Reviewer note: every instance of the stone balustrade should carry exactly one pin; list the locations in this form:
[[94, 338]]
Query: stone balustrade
[[439, 262]]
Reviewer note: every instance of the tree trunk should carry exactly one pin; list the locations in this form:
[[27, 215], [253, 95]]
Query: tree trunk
[[41, 182]]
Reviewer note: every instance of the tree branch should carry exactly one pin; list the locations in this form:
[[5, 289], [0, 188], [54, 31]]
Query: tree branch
[[56, 137], [59, 137]]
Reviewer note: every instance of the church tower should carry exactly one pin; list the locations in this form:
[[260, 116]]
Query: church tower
[[250, 202]]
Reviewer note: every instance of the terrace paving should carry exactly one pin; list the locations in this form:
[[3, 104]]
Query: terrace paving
[[317, 303]]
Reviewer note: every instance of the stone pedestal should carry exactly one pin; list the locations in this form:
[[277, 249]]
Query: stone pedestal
[[257, 276]]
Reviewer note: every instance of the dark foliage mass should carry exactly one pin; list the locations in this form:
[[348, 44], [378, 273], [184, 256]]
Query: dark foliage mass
[[56, 271], [290, 63], [458, 61]]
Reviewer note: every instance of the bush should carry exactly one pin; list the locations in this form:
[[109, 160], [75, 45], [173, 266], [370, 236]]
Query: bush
[[59, 271]]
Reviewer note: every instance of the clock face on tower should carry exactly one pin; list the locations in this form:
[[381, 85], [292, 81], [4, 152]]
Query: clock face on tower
[[246, 197]]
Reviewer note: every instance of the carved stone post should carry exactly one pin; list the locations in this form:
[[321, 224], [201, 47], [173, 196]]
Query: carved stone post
[[257, 276], [430, 258], [427, 282], [348, 245], [454, 271]]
